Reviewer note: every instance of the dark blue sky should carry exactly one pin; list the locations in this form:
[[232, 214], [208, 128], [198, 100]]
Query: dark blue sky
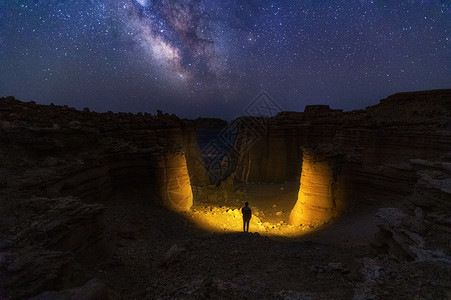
[[212, 58]]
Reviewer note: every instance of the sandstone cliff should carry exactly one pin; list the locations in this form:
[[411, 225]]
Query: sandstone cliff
[[61, 151], [317, 199], [55, 161], [376, 144], [70, 210], [401, 127]]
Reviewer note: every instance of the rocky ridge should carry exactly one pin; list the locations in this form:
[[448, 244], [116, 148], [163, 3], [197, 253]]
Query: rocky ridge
[[59, 166], [84, 200]]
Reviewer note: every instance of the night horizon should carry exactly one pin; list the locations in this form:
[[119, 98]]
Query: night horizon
[[225, 149], [212, 59]]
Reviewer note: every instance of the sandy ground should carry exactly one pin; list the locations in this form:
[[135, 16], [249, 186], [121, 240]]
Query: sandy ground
[[277, 200], [156, 253], [159, 254], [273, 199]]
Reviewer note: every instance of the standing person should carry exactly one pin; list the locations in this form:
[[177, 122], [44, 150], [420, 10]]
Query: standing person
[[247, 215]]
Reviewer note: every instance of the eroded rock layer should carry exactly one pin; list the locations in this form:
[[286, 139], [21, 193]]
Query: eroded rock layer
[[56, 151], [47, 244], [319, 179], [403, 126], [55, 162], [377, 144]]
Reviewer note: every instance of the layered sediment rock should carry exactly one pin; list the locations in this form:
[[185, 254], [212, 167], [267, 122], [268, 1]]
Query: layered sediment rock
[[53, 152], [403, 126], [197, 171], [61, 151], [273, 153], [376, 144], [66, 224], [175, 186], [432, 191], [404, 235], [45, 246], [319, 180]]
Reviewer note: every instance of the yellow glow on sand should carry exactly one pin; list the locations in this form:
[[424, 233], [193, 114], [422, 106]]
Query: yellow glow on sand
[[229, 219]]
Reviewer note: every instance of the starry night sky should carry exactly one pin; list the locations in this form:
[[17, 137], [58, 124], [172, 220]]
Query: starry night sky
[[213, 57]]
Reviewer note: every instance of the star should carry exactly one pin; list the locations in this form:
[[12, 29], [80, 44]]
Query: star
[[213, 57]]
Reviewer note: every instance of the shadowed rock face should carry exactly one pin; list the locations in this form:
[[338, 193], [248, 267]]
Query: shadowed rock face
[[47, 246], [403, 126], [376, 144], [57, 151], [53, 152], [56, 161]]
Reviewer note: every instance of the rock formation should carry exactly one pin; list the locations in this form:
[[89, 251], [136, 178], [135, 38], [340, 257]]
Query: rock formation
[[319, 180], [174, 183], [377, 144], [84, 198], [44, 242], [56, 161], [401, 127], [61, 151]]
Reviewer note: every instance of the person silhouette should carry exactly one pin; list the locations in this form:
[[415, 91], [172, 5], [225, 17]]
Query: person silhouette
[[247, 215]]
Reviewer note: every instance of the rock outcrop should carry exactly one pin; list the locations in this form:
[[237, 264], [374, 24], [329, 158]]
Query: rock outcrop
[[56, 162], [401, 234], [57, 151], [432, 191], [92, 290], [404, 126], [45, 242], [377, 145], [174, 183], [319, 181]]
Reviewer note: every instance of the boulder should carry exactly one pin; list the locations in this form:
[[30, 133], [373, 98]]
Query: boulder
[[92, 290], [69, 225], [397, 237], [58, 238]]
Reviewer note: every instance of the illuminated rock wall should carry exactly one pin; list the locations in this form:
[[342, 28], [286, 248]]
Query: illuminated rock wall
[[56, 151], [164, 175], [275, 155], [195, 163], [174, 182], [401, 127], [316, 202]]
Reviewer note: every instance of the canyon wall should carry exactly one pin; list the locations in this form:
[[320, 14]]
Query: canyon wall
[[401, 127], [319, 181], [57, 151], [376, 145], [58, 165]]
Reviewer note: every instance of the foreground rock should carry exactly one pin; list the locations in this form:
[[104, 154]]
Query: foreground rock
[[84, 198], [92, 290], [48, 249]]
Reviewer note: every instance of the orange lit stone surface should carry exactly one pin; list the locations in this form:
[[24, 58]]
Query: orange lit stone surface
[[316, 204], [175, 183]]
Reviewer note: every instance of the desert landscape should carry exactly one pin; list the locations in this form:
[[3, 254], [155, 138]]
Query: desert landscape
[[345, 204]]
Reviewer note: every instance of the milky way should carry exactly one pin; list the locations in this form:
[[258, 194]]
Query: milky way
[[213, 58], [176, 35]]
